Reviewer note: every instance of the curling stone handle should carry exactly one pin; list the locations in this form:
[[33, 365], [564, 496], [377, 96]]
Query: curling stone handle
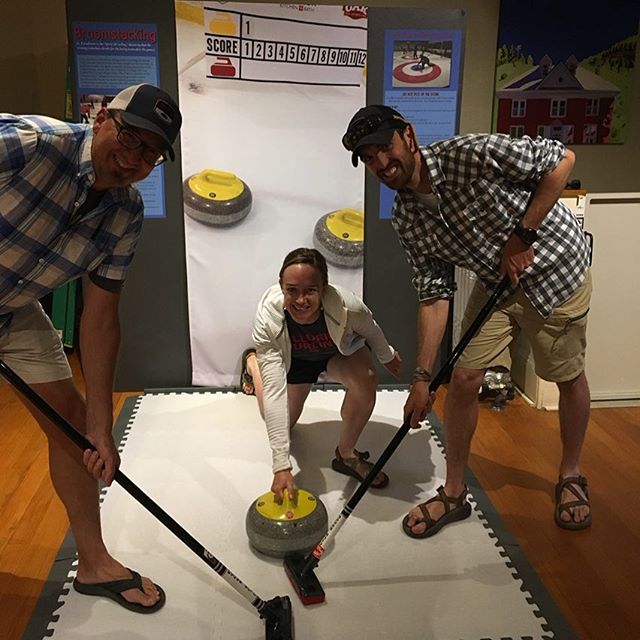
[[287, 503], [214, 176], [352, 217]]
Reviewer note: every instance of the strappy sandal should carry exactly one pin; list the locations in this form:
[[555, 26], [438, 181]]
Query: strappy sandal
[[454, 509], [245, 377], [349, 466], [570, 483]]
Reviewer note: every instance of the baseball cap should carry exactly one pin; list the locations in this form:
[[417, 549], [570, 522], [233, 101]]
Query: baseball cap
[[373, 124], [147, 107]]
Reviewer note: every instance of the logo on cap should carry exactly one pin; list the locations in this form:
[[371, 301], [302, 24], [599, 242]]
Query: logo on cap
[[164, 111]]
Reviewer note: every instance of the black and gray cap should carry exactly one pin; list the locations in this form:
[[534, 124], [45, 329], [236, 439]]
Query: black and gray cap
[[374, 124], [147, 107]]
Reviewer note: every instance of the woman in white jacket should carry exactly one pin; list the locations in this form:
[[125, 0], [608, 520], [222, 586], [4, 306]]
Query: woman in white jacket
[[305, 326]]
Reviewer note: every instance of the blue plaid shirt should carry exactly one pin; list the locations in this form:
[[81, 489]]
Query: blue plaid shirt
[[483, 183], [45, 174]]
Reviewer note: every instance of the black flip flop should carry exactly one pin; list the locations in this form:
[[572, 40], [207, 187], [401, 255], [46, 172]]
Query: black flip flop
[[113, 590]]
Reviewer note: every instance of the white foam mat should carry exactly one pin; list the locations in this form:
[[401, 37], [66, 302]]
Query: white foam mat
[[204, 458]]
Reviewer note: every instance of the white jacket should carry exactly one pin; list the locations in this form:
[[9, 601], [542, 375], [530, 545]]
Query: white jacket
[[349, 322]]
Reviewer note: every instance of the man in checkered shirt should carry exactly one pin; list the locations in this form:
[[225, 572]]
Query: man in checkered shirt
[[67, 208], [488, 203]]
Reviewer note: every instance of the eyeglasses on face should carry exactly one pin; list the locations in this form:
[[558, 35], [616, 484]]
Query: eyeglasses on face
[[130, 140], [366, 126]]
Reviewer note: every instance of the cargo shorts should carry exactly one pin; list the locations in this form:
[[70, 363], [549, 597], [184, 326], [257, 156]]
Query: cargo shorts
[[32, 347], [558, 343]]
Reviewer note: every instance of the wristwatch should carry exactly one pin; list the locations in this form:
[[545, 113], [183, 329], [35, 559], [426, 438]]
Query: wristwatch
[[526, 234]]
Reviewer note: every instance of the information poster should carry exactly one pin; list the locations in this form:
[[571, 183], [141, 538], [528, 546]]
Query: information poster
[[110, 56], [422, 81]]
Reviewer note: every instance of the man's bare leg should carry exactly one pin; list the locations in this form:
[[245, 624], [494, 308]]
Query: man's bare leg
[[461, 418], [573, 410], [79, 492]]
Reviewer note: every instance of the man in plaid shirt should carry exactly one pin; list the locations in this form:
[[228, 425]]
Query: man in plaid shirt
[[488, 203], [68, 208]]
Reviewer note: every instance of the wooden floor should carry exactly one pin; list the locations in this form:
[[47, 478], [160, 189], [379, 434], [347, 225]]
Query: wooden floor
[[593, 576]]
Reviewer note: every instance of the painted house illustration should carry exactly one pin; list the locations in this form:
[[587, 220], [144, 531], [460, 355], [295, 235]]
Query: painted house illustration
[[562, 101]]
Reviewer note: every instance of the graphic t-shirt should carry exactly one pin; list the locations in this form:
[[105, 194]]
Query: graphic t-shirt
[[310, 341]]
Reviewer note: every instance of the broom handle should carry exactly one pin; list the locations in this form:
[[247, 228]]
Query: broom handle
[[316, 554], [134, 490]]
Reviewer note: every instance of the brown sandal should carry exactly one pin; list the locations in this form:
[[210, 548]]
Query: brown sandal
[[245, 376], [454, 509], [571, 483], [349, 466]]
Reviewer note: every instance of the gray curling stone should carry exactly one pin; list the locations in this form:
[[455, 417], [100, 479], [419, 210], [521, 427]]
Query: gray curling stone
[[216, 198], [279, 529], [339, 236]]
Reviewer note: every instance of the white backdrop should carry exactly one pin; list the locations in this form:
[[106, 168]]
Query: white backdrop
[[283, 140]]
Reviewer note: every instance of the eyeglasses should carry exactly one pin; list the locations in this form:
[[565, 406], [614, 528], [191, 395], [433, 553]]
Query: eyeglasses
[[367, 125], [130, 140]]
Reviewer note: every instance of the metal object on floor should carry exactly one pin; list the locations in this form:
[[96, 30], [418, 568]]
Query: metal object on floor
[[301, 570], [497, 387], [276, 612], [293, 526]]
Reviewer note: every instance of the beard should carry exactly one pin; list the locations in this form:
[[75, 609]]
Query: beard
[[404, 168]]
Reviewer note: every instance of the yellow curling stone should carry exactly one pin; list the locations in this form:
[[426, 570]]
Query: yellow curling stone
[[291, 527], [216, 198], [339, 236]]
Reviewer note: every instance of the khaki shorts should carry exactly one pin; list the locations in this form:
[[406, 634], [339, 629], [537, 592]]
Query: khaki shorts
[[558, 342], [32, 348]]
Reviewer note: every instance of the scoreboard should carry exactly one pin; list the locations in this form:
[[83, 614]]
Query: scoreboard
[[271, 48]]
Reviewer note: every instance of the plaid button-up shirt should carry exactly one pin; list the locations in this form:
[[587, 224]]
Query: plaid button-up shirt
[[483, 183], [45, 174]]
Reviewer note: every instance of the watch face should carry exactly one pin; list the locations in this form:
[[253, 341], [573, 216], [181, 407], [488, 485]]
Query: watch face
[[527, 235]]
